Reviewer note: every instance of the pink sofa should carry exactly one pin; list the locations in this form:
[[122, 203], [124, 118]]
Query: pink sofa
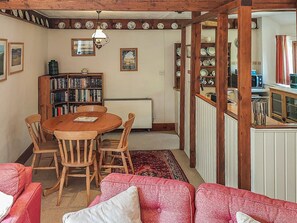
[[16, 180], [163, 200]]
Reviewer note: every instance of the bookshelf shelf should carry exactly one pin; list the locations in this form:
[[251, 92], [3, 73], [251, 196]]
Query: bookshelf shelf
[[62, 94]]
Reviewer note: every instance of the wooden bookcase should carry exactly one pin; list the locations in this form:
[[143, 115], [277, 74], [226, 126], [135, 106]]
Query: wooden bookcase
[[63, 93]]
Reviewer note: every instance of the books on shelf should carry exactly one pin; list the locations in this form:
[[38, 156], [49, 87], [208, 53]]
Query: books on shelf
[[87, 82], [87, 95], [60, 110], [58, 83], [58, 97]]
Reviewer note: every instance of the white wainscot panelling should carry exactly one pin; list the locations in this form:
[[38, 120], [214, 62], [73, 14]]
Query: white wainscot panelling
[[206, 140], [274, 162], [231, 151]]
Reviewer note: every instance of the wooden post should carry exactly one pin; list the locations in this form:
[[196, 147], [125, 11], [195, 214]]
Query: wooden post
[[244, 95], [221, 92], [182, 90], [195, 63]]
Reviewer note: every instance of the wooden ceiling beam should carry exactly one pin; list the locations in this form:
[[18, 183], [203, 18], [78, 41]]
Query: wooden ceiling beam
[[114, 5]]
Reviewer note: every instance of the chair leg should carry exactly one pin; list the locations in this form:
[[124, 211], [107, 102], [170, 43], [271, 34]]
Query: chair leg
[[62, 180], [130, 161], [66, 177], [96, 172], [33, 160], [88, 184], [124, 162], [56, 165], [101, 154]]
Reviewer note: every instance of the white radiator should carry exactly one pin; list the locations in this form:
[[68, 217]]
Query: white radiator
[[142, 108]]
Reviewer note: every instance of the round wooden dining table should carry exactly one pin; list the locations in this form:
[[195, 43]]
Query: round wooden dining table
[[105, 122]]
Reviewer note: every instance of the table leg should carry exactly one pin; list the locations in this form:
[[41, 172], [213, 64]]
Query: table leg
[[48, 191]]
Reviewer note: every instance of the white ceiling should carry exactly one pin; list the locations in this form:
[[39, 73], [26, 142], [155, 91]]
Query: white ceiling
[[115, 14]]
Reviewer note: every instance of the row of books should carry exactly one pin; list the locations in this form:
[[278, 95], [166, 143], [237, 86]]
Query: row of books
[[57, 97], [58, 83], [73, 108], [60, 110], [87, 82], [85, 95]]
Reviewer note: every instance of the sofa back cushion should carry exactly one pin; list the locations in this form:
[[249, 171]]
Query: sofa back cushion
[[14, 177], [217, 203], [161, 200]]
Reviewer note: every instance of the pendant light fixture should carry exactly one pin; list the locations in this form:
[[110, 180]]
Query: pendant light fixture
[[99, 37]]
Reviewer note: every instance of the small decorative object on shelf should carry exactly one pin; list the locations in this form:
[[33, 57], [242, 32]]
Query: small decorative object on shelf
[[177, 63], [53, 68], [62, 94], [84, 71]]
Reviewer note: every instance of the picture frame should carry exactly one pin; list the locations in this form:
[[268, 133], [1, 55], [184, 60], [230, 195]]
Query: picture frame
[[82, 47], [16, 57], [129, 59], [3, 59], [188, 51]]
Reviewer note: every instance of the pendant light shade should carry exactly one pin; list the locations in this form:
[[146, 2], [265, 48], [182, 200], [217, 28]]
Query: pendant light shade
[[99, 37]]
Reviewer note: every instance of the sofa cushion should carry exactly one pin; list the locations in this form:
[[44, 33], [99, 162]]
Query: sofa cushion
[[161, 200], [13, 179], [217, 203], [124, 208]]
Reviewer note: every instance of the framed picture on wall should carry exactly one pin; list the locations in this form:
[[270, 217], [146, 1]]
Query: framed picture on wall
[[129, 60], [188, 51], [3, 59], [82, 47], [16, 57]]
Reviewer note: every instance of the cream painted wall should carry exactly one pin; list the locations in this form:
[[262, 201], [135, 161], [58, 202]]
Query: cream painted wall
[[154, 78], [19, 93]]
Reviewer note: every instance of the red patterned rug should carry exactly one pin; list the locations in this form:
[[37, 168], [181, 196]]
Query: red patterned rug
[[157, 163]]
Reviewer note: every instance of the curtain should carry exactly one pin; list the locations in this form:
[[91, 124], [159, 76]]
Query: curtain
[[282, 60]]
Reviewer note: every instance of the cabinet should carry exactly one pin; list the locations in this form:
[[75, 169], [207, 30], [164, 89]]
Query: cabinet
[[61, 94], [177, 63], [283, 105], [207, 63]]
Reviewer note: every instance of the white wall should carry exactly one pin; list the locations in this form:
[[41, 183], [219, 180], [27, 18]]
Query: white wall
[[154, 78], [19, 93]]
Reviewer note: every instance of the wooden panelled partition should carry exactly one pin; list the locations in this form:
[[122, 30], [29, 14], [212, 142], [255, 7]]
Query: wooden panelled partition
[[182, 90], [221, 91], [244, 95]]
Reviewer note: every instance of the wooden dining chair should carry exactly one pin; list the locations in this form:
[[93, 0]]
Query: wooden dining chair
[[76, 150], [110, 149], [40, 144], [91, 108]]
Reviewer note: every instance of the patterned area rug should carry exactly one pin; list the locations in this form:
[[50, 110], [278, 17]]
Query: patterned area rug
[[156, 163]]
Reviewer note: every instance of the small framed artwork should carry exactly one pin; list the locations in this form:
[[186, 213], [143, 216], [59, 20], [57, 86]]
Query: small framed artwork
[[188, 51], [129, 61], [16, 57], [82, 47], [3, 59]]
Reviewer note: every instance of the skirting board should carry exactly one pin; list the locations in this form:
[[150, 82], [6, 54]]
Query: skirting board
[[25, 155], [163, 127]]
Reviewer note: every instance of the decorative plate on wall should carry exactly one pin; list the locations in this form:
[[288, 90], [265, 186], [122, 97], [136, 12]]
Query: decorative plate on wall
[[178, 62], [118, 25], [15, 12], [160, 26], [211, 51], [145, 25], [21, 14], [174, 25], [203, 72], [37, 20], [33, 18], [203, 52], [77, 25], [104, 25], [131, 25], [178, 51], [61, 25], [46, 23], [89, 25], [3, 10], [41, 21], [27, 15]]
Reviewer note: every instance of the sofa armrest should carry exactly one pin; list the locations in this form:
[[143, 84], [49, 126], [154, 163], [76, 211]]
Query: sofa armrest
[[27, 207]]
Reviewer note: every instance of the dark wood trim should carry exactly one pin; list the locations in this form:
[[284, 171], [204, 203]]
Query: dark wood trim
[[246, 2], [195, 61], [25, 155], [207, 100], [182, 90], [244, 97], [163, 127], [221, 92], [111, 5]]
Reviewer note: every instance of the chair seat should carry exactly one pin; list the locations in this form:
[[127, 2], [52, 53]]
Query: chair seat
[[48, 147]]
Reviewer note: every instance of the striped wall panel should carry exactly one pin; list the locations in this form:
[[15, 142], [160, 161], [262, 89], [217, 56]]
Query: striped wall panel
[[274, 163], [206, 140], [231, 151]]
